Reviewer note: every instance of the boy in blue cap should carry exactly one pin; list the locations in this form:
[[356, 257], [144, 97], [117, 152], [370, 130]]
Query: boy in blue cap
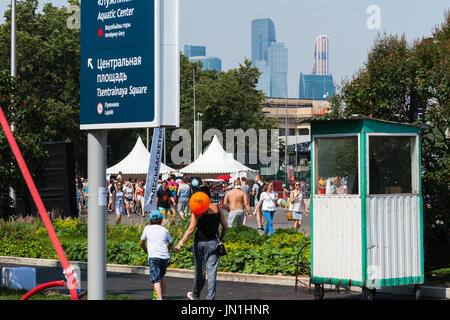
[[159, 242]]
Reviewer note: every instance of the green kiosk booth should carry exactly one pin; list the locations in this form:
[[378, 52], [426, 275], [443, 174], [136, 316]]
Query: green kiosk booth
[[366, 205]]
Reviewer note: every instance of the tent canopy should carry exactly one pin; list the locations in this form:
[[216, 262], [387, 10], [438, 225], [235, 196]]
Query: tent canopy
[[136, 162], [216, 161]]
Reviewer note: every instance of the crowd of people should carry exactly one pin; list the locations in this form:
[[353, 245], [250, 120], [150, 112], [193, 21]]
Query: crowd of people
[[126, 197], [157, 242]]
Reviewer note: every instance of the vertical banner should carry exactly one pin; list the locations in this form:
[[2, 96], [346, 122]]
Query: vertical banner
[[153, 170]]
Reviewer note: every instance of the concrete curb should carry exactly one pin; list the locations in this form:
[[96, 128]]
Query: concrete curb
[[171, 272], [426, 291]]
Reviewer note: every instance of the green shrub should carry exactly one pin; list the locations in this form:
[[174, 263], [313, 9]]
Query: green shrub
[[248, 252]]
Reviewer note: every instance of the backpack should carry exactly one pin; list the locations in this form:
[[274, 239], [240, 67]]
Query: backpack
[[258, 193]]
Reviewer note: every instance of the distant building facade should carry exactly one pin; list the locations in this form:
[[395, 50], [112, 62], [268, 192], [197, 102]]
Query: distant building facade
[[264, 78], [209, 63], [316, 87], [194, 51], [278, 62]]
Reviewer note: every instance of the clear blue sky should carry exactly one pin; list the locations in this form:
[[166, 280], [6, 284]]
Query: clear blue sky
[[223, 26]]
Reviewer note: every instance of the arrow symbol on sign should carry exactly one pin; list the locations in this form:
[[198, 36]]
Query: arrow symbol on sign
[[90, 63]]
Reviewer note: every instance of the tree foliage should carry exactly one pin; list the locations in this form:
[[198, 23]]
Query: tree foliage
[[26, 114], [226, 100], [48, 60], [48, 69]]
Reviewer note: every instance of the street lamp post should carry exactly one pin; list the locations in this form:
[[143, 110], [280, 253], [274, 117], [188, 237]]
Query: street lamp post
[[12, 192], [13, 39], [195, 125], [286, 142]]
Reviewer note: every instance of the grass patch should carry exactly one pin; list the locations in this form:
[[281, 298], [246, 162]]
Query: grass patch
[[11, 294], [439, 277]]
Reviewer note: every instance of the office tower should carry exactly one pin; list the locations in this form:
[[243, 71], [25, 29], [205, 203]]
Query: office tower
[[278, 64], [319, 85], [209, 63], [264, 78], [263, 35], [194, 51], [269, 57], [321, 56], [316, 87]]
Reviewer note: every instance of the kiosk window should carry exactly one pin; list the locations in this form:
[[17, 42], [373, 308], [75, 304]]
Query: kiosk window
[[336, 167], [391, 169]]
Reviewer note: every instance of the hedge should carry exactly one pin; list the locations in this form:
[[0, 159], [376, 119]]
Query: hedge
[[248, 252]]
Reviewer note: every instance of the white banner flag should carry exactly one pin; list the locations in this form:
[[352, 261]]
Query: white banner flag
[[153, 170]]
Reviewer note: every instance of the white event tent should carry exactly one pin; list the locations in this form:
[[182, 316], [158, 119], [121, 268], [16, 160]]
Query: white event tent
[[135, 164], [215, 161]]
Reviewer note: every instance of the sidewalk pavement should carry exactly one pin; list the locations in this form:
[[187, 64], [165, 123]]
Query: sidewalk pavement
[[134, 282]]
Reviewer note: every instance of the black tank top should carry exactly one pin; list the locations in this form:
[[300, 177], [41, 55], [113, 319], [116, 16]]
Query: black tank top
[[207, 227]]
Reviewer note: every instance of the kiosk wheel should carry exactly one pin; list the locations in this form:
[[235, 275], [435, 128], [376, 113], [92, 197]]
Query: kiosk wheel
[[368, 294], [319, 292], [308, 267], [416, 291]]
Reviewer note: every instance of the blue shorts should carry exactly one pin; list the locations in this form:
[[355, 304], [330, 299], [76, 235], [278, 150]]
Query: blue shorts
[[158, 268]]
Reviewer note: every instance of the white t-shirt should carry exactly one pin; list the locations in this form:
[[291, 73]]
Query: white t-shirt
[[268, 201], [157, 238]]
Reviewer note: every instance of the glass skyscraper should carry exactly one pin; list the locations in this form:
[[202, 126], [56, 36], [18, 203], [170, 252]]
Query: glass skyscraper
[[263, 35], [264, 78], [194, 51], [316, 87], [321, 56], [319, 85], [269, 57], [278, 62]]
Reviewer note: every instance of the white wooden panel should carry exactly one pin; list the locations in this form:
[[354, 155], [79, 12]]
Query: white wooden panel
[[393, 236], [337, 237]]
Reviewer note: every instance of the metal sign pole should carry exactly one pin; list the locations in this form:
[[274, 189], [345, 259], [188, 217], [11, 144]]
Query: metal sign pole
[[97, 140]]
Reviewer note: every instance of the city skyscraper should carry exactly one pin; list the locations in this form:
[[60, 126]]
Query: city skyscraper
[[263, 35], [194, 51], [270, 57], [278, 63], [321, 56], [264, 78], [319, 85]]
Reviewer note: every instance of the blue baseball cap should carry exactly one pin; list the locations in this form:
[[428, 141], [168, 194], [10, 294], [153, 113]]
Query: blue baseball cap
[[155, 215]]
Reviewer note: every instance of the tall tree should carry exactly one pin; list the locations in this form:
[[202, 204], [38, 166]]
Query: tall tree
[[48, 59], [27, 114], [226, 100]]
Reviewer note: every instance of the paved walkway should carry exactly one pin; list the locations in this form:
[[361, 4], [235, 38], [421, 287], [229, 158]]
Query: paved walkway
[[138, 286]]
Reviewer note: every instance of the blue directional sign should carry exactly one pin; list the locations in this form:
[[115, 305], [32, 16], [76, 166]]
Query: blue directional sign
[[117, 64]]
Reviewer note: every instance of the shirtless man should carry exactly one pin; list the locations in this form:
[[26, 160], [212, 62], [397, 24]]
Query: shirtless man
[[235, 202]]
